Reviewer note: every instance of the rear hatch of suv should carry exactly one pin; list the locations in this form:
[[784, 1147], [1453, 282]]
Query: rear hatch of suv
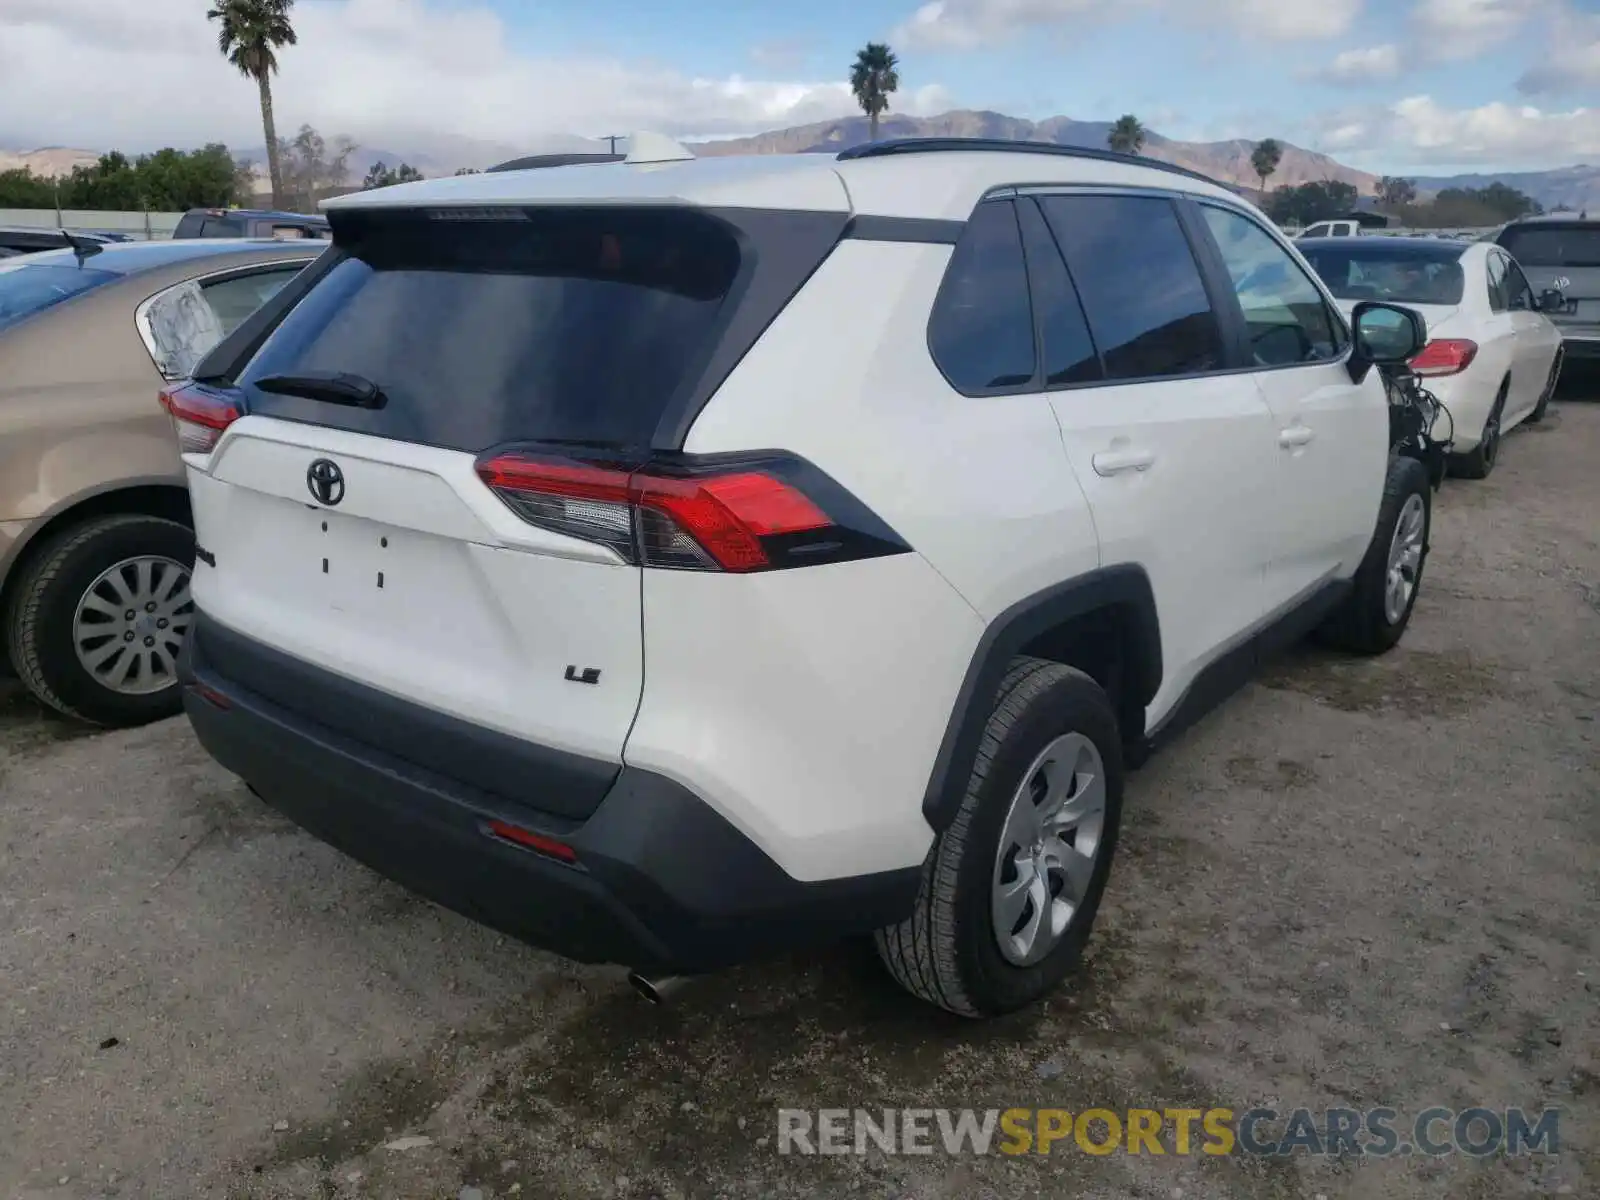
[[412, 484], [1551, 252]]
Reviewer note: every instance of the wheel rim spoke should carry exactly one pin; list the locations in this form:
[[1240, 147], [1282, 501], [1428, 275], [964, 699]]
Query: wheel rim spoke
[[130, 623], [1049, 845]]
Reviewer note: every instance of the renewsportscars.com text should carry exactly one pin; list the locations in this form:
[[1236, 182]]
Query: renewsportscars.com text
[[1333, 1132]]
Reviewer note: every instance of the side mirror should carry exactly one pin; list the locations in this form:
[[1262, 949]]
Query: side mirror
[[1551, 300], [1386, 335]]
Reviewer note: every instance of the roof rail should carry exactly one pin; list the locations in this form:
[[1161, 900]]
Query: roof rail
[[940, 145]]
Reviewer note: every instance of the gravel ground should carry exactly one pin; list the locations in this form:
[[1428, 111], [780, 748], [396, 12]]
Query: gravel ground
[[1360, 883]]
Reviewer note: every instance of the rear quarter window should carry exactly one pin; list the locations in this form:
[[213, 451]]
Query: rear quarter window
[[980, 331]]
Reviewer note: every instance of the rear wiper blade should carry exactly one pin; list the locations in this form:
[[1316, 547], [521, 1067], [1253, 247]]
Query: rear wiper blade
[[336, 387]]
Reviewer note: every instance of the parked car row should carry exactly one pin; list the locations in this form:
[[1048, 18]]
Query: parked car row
[[935, 482]]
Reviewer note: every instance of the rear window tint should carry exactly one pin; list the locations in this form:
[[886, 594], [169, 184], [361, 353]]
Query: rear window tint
[[1365, 270], [29, 288], [1553, 246], [981, 329], [222, 227], [485, 326]]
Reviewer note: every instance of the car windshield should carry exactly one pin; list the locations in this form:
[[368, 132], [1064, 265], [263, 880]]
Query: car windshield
[[1358, 272], [29, 288], [1554, 246]]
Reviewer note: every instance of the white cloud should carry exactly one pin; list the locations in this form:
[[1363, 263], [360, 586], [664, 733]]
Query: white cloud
[[964, 24], [1462, 29], [1370, 64], [1419, 132], [102, 73], [1571, 61]]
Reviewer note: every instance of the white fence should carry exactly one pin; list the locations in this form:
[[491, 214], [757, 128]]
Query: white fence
[[140, 225]]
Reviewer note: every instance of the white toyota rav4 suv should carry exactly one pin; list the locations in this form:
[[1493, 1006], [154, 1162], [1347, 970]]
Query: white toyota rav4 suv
[[675, 562]]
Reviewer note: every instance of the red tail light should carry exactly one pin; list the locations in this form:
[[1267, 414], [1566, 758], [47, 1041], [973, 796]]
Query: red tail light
[[199, 415], [735, 520], [1445, 356]]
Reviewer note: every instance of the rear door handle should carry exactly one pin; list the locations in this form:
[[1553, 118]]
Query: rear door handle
[[1114, 462], [1296, 435]]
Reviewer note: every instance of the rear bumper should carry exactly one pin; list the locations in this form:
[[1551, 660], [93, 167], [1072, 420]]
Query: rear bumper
[[662, 882]]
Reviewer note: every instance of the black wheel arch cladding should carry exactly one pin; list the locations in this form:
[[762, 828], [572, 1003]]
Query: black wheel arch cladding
[[1123, 590]]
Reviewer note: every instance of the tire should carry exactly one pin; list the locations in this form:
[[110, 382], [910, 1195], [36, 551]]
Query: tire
[[949, 951], [1367, 623], [41, 620], [1543, 406], [1486, 453]]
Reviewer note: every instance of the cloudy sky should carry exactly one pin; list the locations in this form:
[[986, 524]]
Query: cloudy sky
[[1414, 85]]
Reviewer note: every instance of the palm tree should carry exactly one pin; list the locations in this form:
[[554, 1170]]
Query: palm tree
[[1264, 160], [873, 78], [1127, 135], [248, 34]]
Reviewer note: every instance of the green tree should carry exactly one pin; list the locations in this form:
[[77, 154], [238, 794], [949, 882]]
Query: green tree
[[1126, 135], [249, 34], [468, 171], [874, 77], [1264, 160], [21, 188], [1308, 203], [1396, 191], [379, 175]]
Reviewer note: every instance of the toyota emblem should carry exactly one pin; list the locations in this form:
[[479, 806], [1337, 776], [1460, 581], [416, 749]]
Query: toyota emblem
[[325, 481]]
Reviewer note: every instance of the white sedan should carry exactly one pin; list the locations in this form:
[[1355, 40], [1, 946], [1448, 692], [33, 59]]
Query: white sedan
[[1492, 358]]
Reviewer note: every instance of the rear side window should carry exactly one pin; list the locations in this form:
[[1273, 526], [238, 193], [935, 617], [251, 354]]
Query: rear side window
[[981, 329], [486, 326], [1141, 288], [29, 288], [1554, 245]]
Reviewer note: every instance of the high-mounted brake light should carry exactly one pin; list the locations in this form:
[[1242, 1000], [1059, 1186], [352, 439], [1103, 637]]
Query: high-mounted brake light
[[745, 518], [199, 415], [1445, 356]]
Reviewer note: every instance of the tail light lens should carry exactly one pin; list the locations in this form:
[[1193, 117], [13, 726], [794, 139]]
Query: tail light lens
[[754, 516], [1445, 356], [199, 415]]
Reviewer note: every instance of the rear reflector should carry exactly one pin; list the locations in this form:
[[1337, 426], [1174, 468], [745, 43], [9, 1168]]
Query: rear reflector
[[710, 522], [1445, 356], [528, 840], [199, 415]]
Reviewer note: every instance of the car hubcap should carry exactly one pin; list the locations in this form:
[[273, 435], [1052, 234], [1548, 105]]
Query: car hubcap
[[1405, 559], [1048, 849], [130, 624]]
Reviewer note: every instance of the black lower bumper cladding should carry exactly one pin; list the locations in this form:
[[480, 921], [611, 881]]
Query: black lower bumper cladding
[[661, 881]]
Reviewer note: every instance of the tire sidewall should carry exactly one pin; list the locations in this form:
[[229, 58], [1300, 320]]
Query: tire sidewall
[[59, 596], [1415, 477], [1072, 705]]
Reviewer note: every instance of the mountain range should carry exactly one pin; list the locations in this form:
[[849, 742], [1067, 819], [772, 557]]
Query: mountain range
[[1575, 187]]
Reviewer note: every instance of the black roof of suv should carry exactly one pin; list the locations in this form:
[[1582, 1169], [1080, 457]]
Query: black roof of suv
[[247, 222]]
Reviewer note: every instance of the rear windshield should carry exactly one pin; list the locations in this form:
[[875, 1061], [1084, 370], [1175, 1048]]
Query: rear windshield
[[29, 288], [485, 326], [1361, 271], [1553, 245]]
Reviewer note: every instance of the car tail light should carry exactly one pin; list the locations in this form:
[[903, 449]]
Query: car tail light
[[1445, 356], [199, 415], [752, 516]]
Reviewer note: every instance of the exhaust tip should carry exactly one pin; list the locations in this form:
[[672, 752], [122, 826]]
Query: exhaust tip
[[657, 991]]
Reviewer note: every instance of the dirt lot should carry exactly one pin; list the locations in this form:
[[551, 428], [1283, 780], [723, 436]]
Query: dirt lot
[[1359, 884]]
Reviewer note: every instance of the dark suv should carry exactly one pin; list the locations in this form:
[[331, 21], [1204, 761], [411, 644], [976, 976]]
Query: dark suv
[[248, 223], [1562, 252]]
